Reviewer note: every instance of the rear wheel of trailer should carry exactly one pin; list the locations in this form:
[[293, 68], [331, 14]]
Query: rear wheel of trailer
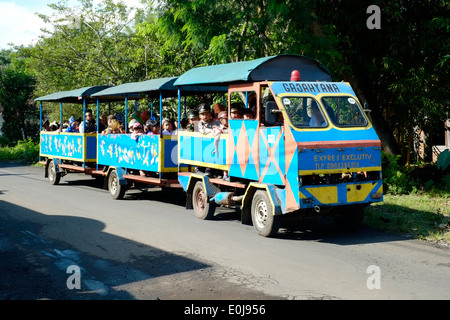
[[264, 221], [116, 190], [53, 176], [203, 209]]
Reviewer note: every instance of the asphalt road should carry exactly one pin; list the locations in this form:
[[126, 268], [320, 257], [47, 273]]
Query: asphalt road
[[72, 241]]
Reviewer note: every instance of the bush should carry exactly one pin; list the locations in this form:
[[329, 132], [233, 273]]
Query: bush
[[25, 152], [4, 142], [396, 177]]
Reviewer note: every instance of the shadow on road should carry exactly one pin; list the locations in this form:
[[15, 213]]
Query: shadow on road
[[34, 266], [325, 229]]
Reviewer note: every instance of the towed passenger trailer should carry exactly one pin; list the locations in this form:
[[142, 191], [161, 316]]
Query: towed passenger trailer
[[64, 152]]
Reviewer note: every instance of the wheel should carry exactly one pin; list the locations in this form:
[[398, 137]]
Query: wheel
[[116, 190], [202, 208], [350, 218], [265, 223], [53, 176]]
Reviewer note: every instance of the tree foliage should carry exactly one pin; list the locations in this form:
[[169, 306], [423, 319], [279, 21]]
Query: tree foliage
[[18, 110]]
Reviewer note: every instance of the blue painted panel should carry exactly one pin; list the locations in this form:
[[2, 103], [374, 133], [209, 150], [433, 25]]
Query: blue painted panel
[[91, 147], [184, 181], [195, 147], [338, 158], [333, 134], [119, 150], [170, 152], [62, 145], [272, 155]]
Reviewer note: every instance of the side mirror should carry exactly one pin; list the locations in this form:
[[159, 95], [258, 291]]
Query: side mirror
[[366, 107], [271, 112]]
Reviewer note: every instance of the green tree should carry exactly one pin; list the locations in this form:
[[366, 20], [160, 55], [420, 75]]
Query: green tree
[[18, 110], [400, 69], [87, 46]]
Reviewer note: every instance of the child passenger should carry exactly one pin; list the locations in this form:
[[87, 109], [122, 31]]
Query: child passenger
[[152, 127], [167, 127], [72, 125]]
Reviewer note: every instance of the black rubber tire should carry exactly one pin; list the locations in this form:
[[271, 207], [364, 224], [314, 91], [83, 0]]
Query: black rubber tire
[[264, 222], [116, 190], [202, 208], [53, 176]]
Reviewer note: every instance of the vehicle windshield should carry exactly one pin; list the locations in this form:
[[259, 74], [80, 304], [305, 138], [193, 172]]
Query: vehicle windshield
[[343, 111], [304, 112]]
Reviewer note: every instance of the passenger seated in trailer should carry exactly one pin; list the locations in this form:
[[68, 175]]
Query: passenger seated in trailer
[[206, 124], [217, 108], [73, 126], [181, 127], [131, 125], [88, 125], [46, 126], [65, 126], [102, 123], [183, 124], [120, 117], [113, 127], [138, 131], [153, 127], [221, 129], [167, 127], [54, 126], [109, 120], [192, 121]]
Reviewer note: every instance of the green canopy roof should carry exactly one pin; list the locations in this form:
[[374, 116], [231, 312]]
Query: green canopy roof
[[73, 96], [274, 68], [133, 90]]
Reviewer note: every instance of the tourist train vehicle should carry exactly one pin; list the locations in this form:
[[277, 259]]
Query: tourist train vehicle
[[309, 148]]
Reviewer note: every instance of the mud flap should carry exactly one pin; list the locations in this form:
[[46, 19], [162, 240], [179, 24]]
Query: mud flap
[[271, 192], [120, 173], [57, 162]]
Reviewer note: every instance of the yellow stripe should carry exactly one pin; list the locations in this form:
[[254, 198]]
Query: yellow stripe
[[51, 156], [203, 164]]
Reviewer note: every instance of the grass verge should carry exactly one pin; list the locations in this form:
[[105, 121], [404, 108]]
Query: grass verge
[[421, 216]]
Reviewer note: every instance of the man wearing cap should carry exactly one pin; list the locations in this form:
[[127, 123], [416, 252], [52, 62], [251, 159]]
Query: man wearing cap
[[206, 124], [223, 119]]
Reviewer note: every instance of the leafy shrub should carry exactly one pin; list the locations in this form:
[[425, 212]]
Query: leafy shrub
[[396, 177], [25, 152], [4, 141]]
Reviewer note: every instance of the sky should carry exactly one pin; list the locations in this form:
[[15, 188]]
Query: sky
[[19, 23]]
